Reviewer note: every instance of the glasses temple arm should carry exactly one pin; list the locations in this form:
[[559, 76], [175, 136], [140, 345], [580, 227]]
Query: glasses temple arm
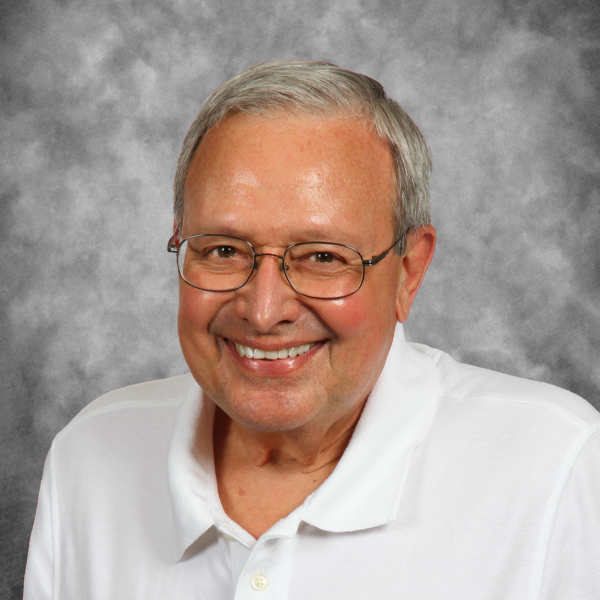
[[379, 257]]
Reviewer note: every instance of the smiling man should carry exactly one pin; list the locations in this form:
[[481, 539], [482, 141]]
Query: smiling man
[[290, 368], [312, 452]]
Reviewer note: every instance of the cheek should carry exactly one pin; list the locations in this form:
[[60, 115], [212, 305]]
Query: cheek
[[361, 319], [191, 310], [196, 310]]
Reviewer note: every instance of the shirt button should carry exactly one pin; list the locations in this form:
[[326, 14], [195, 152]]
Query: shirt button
[[259, 582]]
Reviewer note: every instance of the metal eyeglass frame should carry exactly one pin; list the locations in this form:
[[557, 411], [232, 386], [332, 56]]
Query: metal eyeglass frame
[[174, 245]]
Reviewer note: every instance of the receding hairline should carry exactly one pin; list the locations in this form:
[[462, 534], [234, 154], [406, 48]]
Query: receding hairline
[[291, 111], [282, 114]]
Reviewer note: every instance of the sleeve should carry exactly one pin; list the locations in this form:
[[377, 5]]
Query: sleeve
[[572, 567], [39, 573]]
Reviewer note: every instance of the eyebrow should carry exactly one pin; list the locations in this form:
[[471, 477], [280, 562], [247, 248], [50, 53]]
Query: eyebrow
[[295, 237]]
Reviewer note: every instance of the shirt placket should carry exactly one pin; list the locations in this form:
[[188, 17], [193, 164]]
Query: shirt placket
[[266, 572]]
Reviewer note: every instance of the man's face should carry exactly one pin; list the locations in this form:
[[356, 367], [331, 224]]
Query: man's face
[[276, 182]]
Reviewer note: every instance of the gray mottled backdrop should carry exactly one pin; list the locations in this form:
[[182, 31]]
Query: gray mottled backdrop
[[96, 97]]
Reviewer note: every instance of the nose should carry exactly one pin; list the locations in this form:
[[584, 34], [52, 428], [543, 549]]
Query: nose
[[267, 299]]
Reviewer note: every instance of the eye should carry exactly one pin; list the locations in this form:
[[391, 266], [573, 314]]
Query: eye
[[225, 251], [322, 257]]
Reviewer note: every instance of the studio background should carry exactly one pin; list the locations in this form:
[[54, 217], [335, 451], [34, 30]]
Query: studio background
[[96, 98]]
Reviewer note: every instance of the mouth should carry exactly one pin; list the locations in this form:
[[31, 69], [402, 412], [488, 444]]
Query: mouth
[[280, 354]]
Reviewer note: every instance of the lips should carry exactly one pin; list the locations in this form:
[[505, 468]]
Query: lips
[[260, 354]]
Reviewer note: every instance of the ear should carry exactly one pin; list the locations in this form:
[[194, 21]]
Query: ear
[[420, 246]]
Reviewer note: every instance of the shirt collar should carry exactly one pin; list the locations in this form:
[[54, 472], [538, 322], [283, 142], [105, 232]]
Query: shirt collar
[[364, 489], [366, 485], [189, 469]]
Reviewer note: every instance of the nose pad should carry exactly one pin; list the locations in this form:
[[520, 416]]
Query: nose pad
[[280, 265]]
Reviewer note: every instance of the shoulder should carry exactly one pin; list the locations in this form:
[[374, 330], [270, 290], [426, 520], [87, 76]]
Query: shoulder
[[131, 416], [509, 433], [467, 384], [109, 464], [138, 396]]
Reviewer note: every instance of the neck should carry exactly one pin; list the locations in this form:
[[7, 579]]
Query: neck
[[305, 450]]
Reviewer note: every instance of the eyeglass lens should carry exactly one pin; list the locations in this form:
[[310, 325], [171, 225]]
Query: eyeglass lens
[[222, 263]]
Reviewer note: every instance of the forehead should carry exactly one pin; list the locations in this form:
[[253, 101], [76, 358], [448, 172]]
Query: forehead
[[294, 171]]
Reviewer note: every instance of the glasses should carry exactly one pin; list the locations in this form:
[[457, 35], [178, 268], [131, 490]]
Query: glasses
[[222, 263]]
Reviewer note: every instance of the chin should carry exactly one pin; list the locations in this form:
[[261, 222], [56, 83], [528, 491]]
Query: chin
[[270, 412]]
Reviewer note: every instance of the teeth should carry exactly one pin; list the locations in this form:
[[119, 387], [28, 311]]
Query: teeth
[[257, 353]]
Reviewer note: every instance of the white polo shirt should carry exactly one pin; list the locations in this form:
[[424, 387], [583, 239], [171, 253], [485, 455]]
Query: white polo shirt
[[458, 483]]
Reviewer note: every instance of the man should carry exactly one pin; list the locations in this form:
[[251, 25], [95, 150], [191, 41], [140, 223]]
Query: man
[[312, 452]]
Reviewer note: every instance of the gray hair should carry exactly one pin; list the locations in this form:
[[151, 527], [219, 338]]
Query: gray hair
[[322, 89]]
